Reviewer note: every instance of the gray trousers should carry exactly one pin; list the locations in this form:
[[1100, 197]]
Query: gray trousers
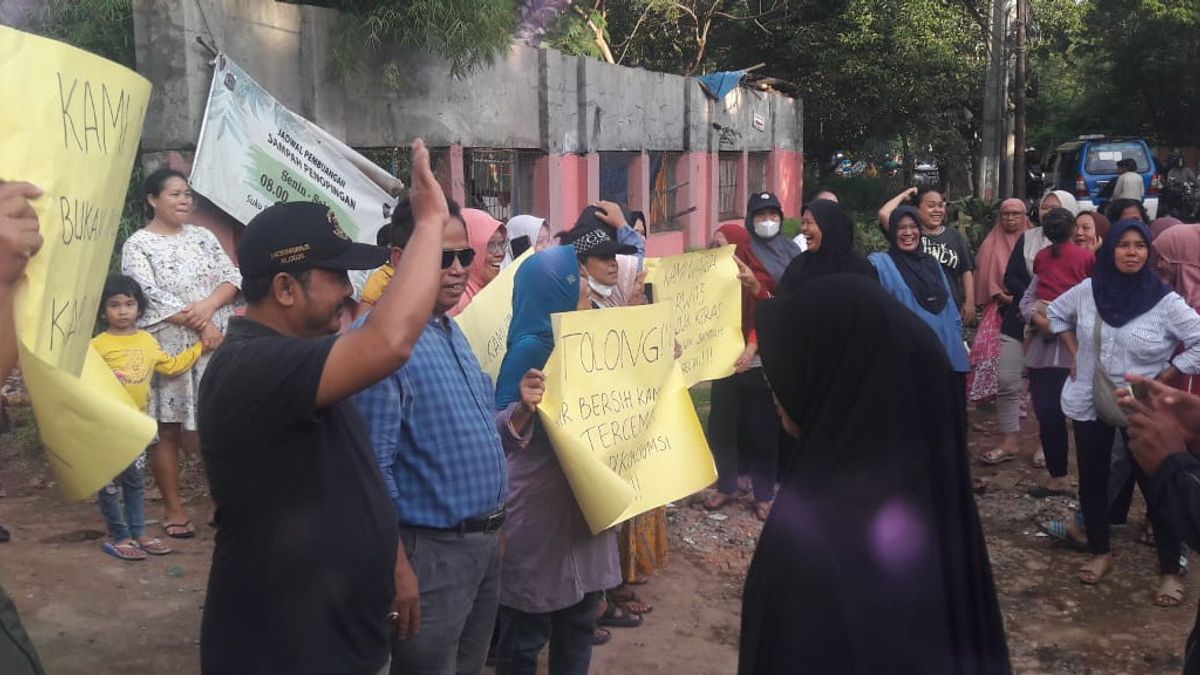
[[1010, 384], [459, 578]]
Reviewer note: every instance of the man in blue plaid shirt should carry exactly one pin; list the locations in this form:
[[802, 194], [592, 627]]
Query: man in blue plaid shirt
[[434, 428]]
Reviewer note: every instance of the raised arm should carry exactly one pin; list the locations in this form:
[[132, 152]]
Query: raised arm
[[885, 211], [384, 342]]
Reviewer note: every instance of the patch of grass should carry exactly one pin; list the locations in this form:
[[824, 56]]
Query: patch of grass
[[702, 399]]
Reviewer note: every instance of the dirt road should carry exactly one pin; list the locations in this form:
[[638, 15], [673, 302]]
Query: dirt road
[[89, 613]]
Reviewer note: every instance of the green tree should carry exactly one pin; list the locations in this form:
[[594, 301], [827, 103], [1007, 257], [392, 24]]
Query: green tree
[[103, 27], [467, 33]]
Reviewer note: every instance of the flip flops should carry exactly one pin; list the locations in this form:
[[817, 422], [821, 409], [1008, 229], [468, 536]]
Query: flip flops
[[996, 456], [1057, 530], [184, 530], [618, 617], [127, 552]]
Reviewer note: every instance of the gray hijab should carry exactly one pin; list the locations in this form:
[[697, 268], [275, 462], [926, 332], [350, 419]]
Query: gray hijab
[[775, 253]]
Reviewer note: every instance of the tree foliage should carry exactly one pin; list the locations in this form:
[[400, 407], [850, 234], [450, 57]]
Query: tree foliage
[[467, 33], [103, 27]]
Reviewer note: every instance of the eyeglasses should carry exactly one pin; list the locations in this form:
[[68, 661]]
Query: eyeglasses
[[465, 257], [1012, 214], [497, 246]]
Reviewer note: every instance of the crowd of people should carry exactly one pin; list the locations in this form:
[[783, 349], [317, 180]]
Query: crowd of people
[[381, 505]]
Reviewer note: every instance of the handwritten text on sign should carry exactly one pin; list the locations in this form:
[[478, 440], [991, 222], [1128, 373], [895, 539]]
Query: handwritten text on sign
[[75, 135], [706, 300], [619, 415]]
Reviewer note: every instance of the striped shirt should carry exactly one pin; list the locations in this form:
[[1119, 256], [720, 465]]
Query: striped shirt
[[434, 429], [1143, 346]]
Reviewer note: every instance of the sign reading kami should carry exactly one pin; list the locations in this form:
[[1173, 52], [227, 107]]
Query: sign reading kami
[[705, 297], [618, 413], [486, 319], [254, 152], [75, 134]]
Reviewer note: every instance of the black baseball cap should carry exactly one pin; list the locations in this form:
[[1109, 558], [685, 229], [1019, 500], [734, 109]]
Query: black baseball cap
[[593, 237], [298, 236], [763, 200]]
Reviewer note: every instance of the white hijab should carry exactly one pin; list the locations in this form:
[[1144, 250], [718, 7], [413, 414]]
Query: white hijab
[[521, 226]]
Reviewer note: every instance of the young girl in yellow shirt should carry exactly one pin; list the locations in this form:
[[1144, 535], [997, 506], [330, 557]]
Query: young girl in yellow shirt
[[134, 356]]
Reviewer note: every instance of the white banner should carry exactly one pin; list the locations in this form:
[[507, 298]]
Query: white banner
[[254, 152]]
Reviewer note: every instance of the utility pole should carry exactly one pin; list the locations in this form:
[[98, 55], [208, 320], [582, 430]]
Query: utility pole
[[1019, 99]]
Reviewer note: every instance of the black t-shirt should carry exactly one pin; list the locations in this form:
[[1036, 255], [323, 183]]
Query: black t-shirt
[[302, 575], [953, 251]]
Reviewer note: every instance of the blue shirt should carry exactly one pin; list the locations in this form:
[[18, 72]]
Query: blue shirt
[[433, 427], [947, 325]]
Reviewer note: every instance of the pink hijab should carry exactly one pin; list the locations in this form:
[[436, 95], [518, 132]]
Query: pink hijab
[[1180, 246], [1161, 225], [480, 227], [993, 255]]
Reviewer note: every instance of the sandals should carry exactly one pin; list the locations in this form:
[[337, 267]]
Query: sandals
[[996, 456], [1170, 592], [616, 616], [1039, 460], [128, 552], [600, 636], [629, 601], [154, 547], [184, 530], [1058, 530]]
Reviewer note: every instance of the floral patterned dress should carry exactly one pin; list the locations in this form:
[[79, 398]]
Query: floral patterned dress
[[176, 270]]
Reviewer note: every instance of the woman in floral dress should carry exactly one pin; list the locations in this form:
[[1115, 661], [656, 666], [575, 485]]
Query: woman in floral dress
[[190, 285]]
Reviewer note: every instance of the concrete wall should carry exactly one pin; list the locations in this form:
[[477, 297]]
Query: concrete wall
[[569, 108], [529, 98]]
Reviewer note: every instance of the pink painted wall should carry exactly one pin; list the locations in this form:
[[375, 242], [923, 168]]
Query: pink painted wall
[[665, 244], [785, 177]]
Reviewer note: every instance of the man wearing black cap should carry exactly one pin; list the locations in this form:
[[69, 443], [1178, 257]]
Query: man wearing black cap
[[610, 255], [302, 578]]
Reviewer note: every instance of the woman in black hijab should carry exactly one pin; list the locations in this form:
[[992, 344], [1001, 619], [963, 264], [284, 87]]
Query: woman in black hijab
[[873, 559], [830, 236]]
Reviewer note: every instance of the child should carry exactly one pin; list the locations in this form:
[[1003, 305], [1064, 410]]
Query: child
[[1061, 266], [134, 356]]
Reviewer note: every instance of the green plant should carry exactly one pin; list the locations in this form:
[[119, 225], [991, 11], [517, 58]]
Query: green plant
[[981, 214]]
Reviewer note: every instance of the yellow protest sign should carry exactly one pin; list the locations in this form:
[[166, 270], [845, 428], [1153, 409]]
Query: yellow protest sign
[[619, 415], [485, 321], [75, 135], [705, 297]]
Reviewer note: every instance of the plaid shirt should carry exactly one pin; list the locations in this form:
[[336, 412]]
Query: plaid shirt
[[434, 428]]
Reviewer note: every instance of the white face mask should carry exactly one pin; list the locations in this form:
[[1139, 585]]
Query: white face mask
[[766, 228], [603, 290]]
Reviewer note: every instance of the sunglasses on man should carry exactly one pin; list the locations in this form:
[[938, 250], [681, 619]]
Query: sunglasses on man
[[465, 257]]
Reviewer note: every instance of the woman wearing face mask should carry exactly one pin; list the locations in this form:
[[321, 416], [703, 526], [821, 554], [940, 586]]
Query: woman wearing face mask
[[610, 263], [1122, 320], [830, 236], [555, 570], [489, 239], [764, 217]]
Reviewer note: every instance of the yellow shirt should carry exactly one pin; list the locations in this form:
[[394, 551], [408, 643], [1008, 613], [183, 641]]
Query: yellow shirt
[[135, 358], [376, 283]]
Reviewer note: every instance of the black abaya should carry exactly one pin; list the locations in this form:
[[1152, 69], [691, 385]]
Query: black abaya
[[873, 559]]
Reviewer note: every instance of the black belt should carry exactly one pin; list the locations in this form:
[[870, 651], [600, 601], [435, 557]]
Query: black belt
[[486, 524]]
